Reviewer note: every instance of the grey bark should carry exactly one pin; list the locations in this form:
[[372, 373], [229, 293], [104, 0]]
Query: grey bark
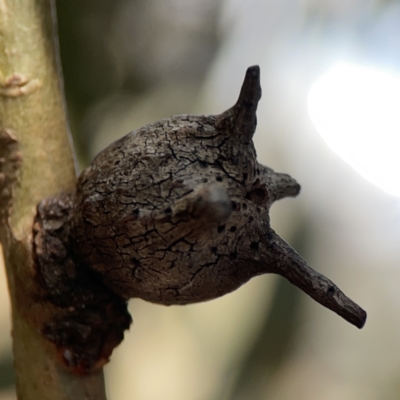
[[176, 212]]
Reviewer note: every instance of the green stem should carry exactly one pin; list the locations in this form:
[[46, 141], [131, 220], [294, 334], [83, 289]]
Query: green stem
[[32, 111]]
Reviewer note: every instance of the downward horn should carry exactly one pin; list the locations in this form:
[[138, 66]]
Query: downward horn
[[285, 261]]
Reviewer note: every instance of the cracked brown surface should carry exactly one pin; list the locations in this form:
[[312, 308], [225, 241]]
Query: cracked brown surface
[[169, 212], [84, 318], [176, 212]]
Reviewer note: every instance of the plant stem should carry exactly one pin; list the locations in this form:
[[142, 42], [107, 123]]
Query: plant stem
[[37, 161]]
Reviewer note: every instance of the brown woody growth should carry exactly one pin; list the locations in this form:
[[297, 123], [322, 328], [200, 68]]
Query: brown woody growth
[[177, 212]]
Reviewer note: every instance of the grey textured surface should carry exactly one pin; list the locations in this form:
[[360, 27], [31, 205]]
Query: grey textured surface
[[177, 212]]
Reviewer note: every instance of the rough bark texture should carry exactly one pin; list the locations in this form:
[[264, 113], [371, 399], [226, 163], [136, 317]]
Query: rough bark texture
[[84, 318], [174, 213], [35, 162], [178, 212]]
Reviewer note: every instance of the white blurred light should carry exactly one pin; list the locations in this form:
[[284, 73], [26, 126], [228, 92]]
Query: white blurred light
[[357, 111]]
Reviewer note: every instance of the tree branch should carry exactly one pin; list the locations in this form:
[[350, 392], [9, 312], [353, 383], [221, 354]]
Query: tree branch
[[36, 161]]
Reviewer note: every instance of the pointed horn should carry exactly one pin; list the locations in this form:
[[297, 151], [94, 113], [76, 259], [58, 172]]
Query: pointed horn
[[279, 185], [250, 94], [283, 185], [290, 265], [243, 114]]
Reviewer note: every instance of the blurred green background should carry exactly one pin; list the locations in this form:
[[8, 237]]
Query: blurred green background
[[130, 62]]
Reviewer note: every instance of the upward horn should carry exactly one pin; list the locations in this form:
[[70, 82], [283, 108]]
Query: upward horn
[[242, 116]]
